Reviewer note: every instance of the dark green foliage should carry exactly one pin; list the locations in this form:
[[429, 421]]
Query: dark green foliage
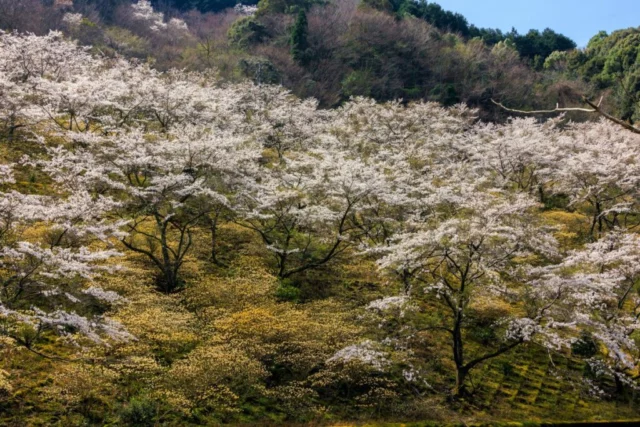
[[506, 368], [531, 45], [288, 291], [206, 5], [108, 7], [445, 94], [555, 201], [384, 5], [490, 36], [585, 347], [247, 31], [216, 5], [285, 6], [536, 44], [299, 43], [357, 83], [434, 14], [611, 62], [139, 412]]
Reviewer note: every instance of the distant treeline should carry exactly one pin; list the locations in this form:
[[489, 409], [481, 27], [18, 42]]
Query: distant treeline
[[534, 45], [333, 50]]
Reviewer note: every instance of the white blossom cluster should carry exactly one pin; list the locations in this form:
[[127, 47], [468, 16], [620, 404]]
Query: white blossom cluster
[[245, 9], [102, 295], [364, 352], [448, 206], [388, 303], [143, 12], [72, 20]]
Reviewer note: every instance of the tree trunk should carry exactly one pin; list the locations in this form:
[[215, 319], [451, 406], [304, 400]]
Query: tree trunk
[[213, 228], [458, 357], [170, 267], [461, 376], [541, 194], [170, 280]]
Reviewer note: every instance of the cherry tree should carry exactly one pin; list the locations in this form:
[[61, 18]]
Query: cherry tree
[[49, 248], [520, 154], [305, 208], [275, 118], [27, 56], [599, 167], [47, 254], [164, 183], [391, 131], [415, 146], [464, 256], [142, 12], [26, 62], [607, 271], [176, 99], [12, 114]]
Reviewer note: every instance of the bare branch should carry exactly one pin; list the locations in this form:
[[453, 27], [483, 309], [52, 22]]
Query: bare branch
[[555, 110], [610, 117], [595, 108]]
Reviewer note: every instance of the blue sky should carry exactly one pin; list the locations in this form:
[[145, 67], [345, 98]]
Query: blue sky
[[578, 19]]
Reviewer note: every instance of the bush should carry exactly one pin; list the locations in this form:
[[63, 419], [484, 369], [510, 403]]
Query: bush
[[214, 379], [585, 347], [247, 31], [139, 412], [287, 291]]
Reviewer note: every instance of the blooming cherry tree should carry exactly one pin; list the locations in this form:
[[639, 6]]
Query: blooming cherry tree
[[163, 182], [606, 272], [600, 168], [46, 255], [305, 208], [464, 257]]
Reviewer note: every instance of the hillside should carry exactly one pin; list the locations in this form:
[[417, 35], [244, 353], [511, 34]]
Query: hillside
[[409, 50], [186, 246]]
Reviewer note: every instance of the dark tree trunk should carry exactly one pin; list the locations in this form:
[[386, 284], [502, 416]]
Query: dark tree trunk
[[213, 229], [458, 357], [460, 387]]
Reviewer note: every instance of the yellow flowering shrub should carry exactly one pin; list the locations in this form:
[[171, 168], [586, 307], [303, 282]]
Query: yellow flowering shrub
[[161, 325], [571, 226], [5, 384], [296, 399], [215, 379], [159, 322], [295, 338], [82, 385], [489, 309], [364, 386], [209, 295]]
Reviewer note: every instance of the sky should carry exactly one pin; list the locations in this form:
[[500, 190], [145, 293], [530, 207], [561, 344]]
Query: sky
[[577, 19]]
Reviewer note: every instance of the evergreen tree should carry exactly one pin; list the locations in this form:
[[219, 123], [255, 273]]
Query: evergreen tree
[[286, 6], [299, 43]]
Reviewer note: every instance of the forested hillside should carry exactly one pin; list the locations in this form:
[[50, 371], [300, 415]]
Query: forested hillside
[[329, 51], [185, 241]]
